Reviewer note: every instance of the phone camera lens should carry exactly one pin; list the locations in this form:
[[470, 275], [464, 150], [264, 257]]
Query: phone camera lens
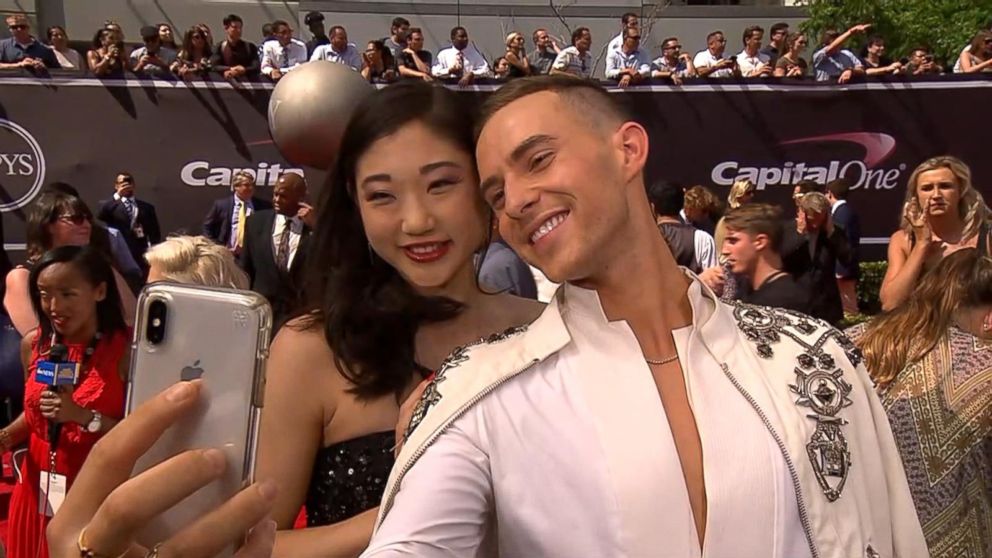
[[155, 331]]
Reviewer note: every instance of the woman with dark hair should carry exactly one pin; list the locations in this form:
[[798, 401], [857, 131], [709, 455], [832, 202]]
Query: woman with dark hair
[[935, 385], [75, 297], [58, 41], [57, 219], [378, 65], [392, 289], [107, 57], [167, 37], [792, 63], [194, 58]]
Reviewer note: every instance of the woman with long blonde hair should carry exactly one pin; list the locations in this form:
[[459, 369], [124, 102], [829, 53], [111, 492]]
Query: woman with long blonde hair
[[943, 213], [931, 359]]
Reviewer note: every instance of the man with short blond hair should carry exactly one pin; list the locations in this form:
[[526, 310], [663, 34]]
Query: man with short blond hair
[[22, 50]]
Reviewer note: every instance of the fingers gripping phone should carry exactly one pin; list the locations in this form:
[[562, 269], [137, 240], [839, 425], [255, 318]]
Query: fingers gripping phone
[[221, 336]]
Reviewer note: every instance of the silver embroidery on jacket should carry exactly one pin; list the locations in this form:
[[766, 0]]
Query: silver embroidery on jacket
[[431, 395], [820, 384]]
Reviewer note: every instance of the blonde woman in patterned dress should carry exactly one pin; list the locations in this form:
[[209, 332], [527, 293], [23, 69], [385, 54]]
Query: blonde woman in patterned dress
[[936, 387]]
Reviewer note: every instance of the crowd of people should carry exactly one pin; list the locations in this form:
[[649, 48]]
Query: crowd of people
[[687, 356], [401, 54]]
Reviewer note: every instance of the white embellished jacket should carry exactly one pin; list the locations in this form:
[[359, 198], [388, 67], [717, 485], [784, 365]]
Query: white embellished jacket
[[550, 440]]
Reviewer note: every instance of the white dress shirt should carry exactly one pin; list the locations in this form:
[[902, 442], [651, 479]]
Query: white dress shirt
[[350, 57], [705, 59], [569, 60], [618, 60], [283, 58], [616, 43], [603, 476], [295, 225], [235, 214], [472, 62], [748, 64]]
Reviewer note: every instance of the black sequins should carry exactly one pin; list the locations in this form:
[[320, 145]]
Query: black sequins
[[349, 478]]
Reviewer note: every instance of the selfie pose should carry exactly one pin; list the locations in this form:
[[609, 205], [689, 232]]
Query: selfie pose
[[634, 418], [392, 290], [76, 299]]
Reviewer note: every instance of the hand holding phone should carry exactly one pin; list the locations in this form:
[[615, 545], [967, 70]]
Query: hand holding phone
[[219, 336], [109, 530]]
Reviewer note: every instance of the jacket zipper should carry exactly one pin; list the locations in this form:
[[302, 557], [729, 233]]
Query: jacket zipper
[[387, 502], [803, 514]]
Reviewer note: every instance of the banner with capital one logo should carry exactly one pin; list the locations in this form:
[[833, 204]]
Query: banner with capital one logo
[[874, 135], [184, 142]]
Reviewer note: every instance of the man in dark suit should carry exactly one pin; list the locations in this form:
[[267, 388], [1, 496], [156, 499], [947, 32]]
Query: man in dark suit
[[845, 217], [226, 221], [135, 219], [810, 253], [275, 246]]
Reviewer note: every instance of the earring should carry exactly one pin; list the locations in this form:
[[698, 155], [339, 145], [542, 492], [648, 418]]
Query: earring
[[987, 325]]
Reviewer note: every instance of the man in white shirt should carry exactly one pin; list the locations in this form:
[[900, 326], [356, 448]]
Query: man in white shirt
[[629, 20], [637, 416], [575, 60], [284, 54], [630, 65], [673, 63], [461, 61], [339, 51], [712, 62], [751, 61]]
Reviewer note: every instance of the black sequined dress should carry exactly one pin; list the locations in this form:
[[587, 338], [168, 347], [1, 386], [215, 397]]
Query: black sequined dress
[[349, 478]]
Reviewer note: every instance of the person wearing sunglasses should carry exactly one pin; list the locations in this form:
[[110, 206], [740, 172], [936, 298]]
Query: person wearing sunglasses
[[673, 63], [21, 50], [58, 219]]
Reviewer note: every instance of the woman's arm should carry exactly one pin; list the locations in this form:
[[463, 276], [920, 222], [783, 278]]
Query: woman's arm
[[292, 432], [968, 67], [17, 301], [345, 538], [904, 269]]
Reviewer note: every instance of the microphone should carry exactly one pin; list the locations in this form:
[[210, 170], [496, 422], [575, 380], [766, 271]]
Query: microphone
[[55, 372]]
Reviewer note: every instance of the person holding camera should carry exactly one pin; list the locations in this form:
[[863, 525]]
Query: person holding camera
[[712, 62], [107, 56], [920, 62], [153, 59]]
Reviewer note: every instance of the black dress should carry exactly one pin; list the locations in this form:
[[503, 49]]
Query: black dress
[[349, 478]]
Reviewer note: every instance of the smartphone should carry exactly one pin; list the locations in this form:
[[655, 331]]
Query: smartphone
[[221, 336]]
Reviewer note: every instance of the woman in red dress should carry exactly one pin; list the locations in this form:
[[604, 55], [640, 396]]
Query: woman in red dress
[[75, 296]]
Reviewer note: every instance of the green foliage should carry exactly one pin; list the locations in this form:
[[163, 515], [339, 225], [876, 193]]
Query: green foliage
[[869, 286], [946, 26]]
